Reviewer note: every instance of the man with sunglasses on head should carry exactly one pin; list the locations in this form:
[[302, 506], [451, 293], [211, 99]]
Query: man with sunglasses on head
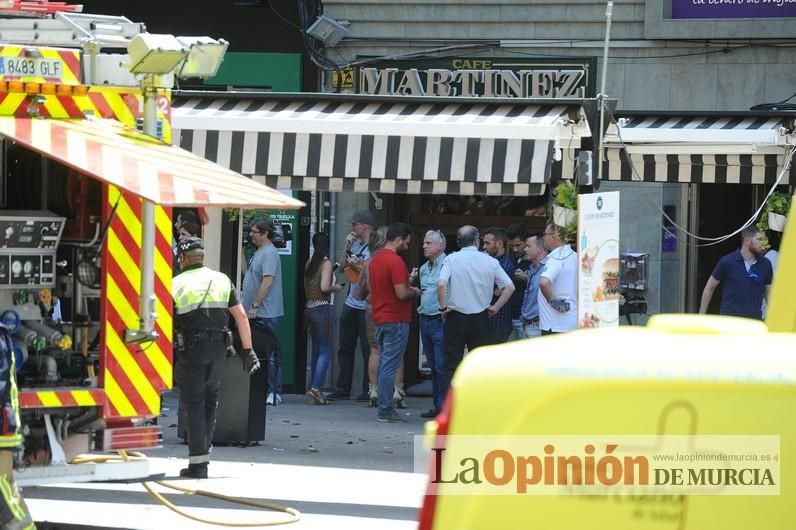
[[262, 298], [745, 277]]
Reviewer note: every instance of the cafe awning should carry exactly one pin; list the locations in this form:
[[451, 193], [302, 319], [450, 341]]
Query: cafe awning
[[387, 144], [123, 157], [742, 148]]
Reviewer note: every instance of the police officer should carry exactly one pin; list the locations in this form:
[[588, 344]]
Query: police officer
[[202, 298]]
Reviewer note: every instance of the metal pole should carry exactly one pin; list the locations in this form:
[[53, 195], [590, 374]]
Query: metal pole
[[147, 314], [601, 96]]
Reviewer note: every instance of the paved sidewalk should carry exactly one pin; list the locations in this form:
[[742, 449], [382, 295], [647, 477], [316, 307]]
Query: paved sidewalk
[[341, 434], [336, 464]]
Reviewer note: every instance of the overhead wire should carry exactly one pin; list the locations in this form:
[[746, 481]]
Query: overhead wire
[[673, 224]]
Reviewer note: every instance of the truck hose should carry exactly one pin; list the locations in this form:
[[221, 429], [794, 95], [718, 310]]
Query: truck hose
[[53, 336], [29, 337]]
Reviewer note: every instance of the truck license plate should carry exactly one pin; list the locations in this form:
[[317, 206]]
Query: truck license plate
[[24, 67]]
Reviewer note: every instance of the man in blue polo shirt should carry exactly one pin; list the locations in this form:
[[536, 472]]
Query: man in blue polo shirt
[[745, 278]]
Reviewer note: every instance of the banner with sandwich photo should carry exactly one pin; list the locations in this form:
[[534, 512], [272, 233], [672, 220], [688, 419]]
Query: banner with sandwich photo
[[598, 250]]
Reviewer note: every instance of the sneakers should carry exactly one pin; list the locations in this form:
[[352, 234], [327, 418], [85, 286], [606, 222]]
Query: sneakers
[[430, 413], [390, 417], [373, 395], [399, 397], [273, 399], [194, 471], [337, 395]]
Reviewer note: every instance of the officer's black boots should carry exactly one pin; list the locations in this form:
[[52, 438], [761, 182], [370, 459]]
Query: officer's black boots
[[194, 471]]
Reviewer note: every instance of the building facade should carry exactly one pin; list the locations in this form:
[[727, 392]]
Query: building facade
[[667, 59]]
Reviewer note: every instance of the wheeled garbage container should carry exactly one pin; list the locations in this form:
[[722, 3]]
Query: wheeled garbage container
[[241, 404]]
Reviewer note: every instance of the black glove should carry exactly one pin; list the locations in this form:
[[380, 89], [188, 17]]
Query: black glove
[[250, 362]]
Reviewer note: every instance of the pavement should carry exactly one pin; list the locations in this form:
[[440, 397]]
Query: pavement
[[336, 464], [342, 434]]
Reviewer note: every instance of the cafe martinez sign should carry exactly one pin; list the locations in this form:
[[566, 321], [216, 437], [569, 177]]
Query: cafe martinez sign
[[475, 77]]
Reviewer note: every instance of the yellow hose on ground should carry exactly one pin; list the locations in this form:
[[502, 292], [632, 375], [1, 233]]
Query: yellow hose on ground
[[293, 514]]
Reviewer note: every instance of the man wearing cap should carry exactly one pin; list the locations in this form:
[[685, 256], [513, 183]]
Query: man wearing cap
[[352, 320], [203, 301], [262, 298]]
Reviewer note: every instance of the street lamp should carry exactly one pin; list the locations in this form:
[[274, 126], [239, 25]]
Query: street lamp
[[157, 58]]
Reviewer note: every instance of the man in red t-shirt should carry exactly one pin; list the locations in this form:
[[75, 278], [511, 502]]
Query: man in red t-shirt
[[391, 298]]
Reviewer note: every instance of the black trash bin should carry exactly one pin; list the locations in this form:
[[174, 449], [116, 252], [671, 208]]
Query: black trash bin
[[241, 404]]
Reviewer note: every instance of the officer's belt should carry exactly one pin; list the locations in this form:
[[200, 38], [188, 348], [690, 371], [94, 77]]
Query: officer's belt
[[204, 334]]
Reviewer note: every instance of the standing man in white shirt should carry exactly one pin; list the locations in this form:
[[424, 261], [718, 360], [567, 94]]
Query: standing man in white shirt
[[466, 283], [558, 284]]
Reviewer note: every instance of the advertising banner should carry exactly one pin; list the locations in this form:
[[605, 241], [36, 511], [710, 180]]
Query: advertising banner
[[733, 9], [598, 256]]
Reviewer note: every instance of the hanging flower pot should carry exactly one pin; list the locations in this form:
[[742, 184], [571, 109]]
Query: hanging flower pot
[[564, 216], [776, 221]]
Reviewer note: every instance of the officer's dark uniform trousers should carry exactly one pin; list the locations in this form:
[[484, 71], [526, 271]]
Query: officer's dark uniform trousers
[[198, 376], [202, 321]]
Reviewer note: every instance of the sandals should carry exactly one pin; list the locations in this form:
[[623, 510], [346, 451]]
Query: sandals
[[316, 397], [373, 396]]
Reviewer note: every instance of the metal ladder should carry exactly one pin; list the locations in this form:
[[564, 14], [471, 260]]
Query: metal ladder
[[67, 29]]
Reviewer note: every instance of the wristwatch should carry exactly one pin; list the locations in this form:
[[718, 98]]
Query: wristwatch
[[255, 305], [443, 309]]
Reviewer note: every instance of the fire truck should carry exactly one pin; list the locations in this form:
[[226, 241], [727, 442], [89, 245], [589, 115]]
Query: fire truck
[[79, 178]]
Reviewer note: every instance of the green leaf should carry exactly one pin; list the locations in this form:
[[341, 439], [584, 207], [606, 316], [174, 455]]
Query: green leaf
[[566, 195], [779, 203]]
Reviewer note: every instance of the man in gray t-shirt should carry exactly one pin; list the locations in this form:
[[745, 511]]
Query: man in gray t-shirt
[[262, 298], [263, 274]]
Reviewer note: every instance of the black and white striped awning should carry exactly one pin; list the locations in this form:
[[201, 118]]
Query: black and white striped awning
[[385, 145], [739, 149]]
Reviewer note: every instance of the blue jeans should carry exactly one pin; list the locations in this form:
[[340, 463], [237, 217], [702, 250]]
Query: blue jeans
[[532, 330], [320, 321], [274, 372], [517, 330], [433, 340], [391, 339]]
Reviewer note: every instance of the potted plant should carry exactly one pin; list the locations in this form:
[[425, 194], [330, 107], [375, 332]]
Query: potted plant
[[565, 204], [777, 207]]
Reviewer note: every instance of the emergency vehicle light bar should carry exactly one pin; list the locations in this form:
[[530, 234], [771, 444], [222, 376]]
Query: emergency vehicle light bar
[[43, 88]]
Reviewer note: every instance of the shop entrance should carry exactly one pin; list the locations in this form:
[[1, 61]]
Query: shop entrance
[[722, 208]]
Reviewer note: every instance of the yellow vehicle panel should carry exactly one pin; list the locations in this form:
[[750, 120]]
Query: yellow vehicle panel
[[680, 375], [611, 382]]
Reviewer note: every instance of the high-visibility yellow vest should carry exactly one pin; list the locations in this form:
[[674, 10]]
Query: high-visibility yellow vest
[[201, 299]]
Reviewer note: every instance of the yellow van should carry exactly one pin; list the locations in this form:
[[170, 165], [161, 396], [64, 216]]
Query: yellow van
[[672, 388]]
